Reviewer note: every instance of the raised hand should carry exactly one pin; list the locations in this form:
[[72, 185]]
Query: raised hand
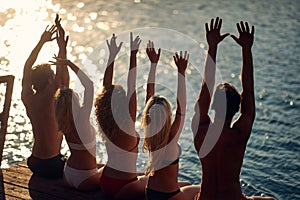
[[181, 61], [48, 33], [60, 34], [112, 46], [134, 44], [152, 55], [59, 61], [246, 37], [213, 35]]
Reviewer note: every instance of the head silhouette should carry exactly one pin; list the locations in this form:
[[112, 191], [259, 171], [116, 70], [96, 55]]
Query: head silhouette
[[226, 101], [41, 76]]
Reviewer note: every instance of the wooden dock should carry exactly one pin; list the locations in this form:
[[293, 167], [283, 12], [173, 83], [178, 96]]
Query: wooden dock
[[18, 182]]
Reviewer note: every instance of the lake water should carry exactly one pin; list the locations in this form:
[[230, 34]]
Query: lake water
[[271, 165]]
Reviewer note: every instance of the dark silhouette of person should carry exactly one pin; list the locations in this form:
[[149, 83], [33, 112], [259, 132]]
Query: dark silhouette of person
[[221, 143], [39, 86]]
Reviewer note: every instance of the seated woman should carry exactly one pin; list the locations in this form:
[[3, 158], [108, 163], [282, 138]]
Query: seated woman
[[161, 135], [81, 170], [117, 125]]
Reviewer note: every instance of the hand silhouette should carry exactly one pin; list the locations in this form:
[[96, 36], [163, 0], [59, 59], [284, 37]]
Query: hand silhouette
[[181, 62], [112, 46], [60, 34], [47, 35], [59, 61], [134, 44], [213, 35], [246, 37], [152, 55]]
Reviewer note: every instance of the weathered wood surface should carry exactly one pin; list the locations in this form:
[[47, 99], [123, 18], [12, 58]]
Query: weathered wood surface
[[18, 182], [4, 113]]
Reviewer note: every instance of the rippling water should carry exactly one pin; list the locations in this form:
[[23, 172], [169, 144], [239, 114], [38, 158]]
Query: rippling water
[[271, 164]]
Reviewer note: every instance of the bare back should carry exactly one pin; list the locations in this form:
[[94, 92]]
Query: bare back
[[40, 110], [222, 165]]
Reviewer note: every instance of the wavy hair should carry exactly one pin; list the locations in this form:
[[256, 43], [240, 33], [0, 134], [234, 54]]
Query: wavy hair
[[110, 108], [65, 102]]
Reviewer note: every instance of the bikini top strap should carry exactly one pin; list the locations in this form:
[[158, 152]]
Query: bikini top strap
[[85, 146]]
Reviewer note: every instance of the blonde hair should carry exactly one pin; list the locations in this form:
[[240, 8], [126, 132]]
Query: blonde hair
[[65, 102], [156, 122], [107, 112]]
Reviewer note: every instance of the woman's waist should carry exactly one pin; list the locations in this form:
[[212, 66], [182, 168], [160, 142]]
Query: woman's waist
[[82, 161], [118, 174]]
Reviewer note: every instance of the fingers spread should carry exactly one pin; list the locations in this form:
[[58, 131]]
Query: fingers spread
[[176, 54], [216, 23], [252, 30], [242, 26], [238, 27], [120, 45], [234, 37], [220, 24], [206, 27], [247, 27]]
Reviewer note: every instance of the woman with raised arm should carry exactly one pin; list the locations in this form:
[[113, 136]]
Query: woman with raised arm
[[116, 116], [161, 135], [81, 170], [221, 144]]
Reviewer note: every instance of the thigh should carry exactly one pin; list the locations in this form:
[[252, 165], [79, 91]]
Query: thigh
[[134, 189], [91, 183], [187, 193]]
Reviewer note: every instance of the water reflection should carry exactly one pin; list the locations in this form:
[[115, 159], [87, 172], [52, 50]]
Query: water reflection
[[90, 22]]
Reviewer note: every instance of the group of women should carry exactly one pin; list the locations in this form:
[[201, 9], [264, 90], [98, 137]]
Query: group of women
[[116, 116]]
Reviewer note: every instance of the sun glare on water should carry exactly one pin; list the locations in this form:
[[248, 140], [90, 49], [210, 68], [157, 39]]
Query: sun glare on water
[[21, 25]]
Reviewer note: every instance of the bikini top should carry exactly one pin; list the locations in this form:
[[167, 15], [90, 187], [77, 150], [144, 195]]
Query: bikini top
[[120, 159]]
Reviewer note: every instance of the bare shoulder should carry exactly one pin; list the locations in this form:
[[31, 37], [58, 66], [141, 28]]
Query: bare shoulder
[[243, 125]]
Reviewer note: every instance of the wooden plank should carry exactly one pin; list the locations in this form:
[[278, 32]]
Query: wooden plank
[[20, 176], [9, 80]]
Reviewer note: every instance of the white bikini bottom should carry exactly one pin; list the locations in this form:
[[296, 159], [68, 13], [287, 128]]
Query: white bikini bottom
[[75, 176]]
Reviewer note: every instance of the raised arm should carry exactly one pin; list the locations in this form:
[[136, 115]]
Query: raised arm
[[26, 81], [113, 51], [154, 58], [131, 80], [245, 40], [85, 81], [62, 77], [213, 38], [181, 63]]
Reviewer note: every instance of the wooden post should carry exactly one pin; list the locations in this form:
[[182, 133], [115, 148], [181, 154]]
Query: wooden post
[[9, 80]]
